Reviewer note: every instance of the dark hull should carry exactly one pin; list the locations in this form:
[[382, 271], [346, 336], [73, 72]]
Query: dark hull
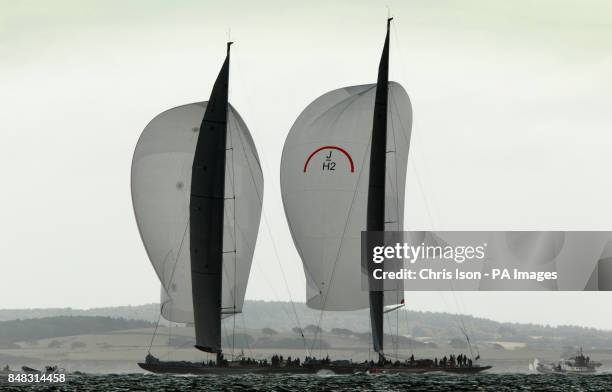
[[29, 370], [466, 370], [164, 368], [456, 370], [196, 369]]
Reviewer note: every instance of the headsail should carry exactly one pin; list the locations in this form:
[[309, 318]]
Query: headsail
[[324, 183], [161, 193]]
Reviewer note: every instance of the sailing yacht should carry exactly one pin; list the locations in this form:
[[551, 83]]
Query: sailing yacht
[[343, 171], [197, 190]]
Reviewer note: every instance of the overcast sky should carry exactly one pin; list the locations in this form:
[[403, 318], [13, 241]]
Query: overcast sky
[[512, 128]]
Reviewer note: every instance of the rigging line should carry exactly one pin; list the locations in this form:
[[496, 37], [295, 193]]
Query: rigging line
[[449, 311], [155, 331], [460, 324], [256, 264], [181, 346], [192, 137], [346, 102], [169, 337], [457, 304], [233, 218], [225, 331], [166, 289], [422, 188], [413, 166], [458, 316], [389, 328], [274, 247], [229, 129], [397, 331], [348, 217], [397, 208], [224, 327], [274, 293], [398, 48], [410, 344], [178, 254], [464, 329], [394, 337], [398, 219], [235, 238], [285, 281], [470, 325], [162, 278], [304, 266], [225, 273], [423, 160], [244, 329], [234, 251]]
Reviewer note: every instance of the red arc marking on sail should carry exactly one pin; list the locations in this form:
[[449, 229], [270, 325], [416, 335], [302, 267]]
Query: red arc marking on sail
[[342, 150]]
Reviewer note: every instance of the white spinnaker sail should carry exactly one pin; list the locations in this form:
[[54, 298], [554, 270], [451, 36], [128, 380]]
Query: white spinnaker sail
[[324, 185], [161, 182]]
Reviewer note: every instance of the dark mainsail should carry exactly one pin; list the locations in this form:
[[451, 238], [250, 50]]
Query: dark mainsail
[[376, 188], [206, 211]]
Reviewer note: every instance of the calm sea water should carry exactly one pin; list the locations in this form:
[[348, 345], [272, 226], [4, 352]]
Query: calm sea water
[[353, 383]]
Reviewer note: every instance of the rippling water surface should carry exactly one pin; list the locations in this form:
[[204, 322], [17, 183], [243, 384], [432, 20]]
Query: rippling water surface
[[353, 383]]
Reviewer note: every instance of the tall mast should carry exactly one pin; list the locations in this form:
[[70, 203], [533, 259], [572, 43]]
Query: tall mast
[[206, 211], [376, 187]]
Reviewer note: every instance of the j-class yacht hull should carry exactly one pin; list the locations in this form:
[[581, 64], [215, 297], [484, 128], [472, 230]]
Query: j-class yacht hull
[[236, 368]]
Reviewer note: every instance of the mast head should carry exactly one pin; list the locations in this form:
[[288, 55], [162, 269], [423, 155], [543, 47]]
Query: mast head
[[229, 43], [389, 19]]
